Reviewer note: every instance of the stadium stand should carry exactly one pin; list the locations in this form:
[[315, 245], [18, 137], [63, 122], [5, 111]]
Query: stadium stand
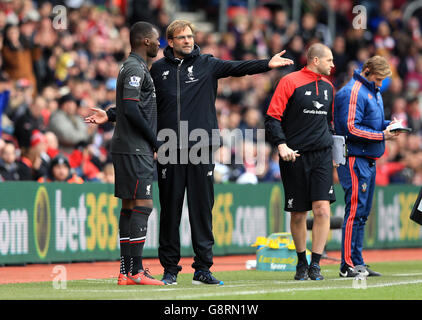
[[47, 58]]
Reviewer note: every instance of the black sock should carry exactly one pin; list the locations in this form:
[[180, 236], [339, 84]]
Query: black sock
[[138, 231], [136, 265], [315, 257], [301, 257], [125, 262], [124, 232]]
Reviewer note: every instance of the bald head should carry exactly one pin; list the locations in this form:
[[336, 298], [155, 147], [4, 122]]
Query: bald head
[[317, 50], [320, 59]]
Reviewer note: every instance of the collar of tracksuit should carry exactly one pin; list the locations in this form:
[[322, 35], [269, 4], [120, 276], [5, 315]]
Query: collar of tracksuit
[[317, 76], [168, 53], [369, 84], [138, 57]]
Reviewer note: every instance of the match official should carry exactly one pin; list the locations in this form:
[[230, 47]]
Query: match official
[[359, 117]]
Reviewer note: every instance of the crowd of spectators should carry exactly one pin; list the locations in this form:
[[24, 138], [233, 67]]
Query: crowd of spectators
[[51, 75]]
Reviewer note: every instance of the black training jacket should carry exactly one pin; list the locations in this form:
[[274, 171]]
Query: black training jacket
[[300, 113], [186, 90]]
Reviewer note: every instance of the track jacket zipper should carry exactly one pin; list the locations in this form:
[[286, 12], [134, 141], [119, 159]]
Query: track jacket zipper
[[179, 106]]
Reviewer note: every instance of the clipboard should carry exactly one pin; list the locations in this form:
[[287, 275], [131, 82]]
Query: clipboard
[[401, 130], [339, 150], [416, 213], [398, 127]]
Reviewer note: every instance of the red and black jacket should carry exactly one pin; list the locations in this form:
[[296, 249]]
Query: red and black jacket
[[301, 111]]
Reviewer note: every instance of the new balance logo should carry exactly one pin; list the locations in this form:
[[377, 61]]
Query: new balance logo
[[308, 93], [209, 173], [148, 193]]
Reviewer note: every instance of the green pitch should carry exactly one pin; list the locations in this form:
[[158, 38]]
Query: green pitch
[[400, 281]]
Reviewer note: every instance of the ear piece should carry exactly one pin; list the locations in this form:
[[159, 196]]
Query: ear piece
[[367, 73]]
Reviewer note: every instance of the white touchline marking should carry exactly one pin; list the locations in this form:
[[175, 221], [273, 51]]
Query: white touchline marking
[[249, 292], [296, 289]]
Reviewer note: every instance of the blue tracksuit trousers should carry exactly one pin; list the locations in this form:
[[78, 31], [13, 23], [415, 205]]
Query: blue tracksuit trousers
[[357, 177]]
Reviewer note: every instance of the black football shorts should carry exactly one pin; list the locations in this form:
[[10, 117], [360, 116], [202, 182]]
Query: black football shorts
[[308, 179], [133, 176]]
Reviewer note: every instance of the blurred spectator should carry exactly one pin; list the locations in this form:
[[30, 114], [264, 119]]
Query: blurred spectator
[[342, 78], [29, 121], [399, 110], [85, 163], [414, 142], [247, 173], [246, 47], [227, 46], [281, 27], [417, 177], [52, 143], [413, 171], [387, 166], [310, 29], [107, 174], [19, 53], [271, 172], [340, 56], [295, 51], [59, 171], [8, 165], [222, 160], [50, 94], [414, 77], [252, 120], [414, 119], [21, 96], [68, 126], [33, 162], [383, 38], [395, 91]]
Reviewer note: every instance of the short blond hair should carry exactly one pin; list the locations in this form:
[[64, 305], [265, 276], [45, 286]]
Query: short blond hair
[[318, 50], [178, 25], [378, 65]]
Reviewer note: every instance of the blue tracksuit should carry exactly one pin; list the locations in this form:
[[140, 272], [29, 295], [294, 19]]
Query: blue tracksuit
[[359, 117]]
